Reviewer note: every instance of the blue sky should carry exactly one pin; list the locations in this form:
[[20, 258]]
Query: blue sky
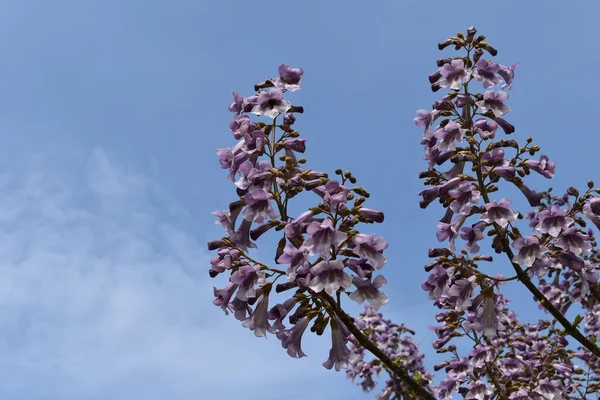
[[110, 112]]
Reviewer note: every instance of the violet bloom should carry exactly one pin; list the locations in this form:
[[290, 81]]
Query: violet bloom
[[271, 103], [520, 395], [460, 292], [295, 257], [449, 135], [438, 282], [280, 311], [542, 166], [241, 237], [553, 221], [499, 213], [329, 276], [254, 142], [508, 74], [322, 237], [574, 241], [335, 193], [258, 321], [532, 196], [487, 129], [529, 250], [291, 338], [289, 78], [367, 290], [255, 175], [494, 101], [478, 390], [224, 260], [429, 195], [339, 355], [223, 296], [465, 196], [371, 215], [258, 206], [241, 126], [454, 75], [485, 72], [371, 248], [489, 323], [236, 105], [549, 389], [591, 210], [298, 145], [294, 228], [472, 235], [425, 119], [247, 277]]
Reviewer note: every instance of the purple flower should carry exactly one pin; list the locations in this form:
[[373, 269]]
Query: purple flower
[[294, 228], [339, 355], [223, 296], [298, 145], [485, 128], [367, 290], [478, 390], [508, 74], [329, 276], [505, 125], [335, 193], [489, 323], [552, 221], [542, 166], [494, 101], [429, 195], [437, 282], [574, 241], [255, 176], [291, 338], [591, 210], [449, 135], [322, 237], [258, 206], [454, 75], [529, 250], [460, 292], [425, 119], [241, 237], [371, 248], [247, 277], [499, 213], [371, 215], [485, 72], [224, 260], [548, 389], [520, 395], [280, 311], [258, 321], [472, 235], [289, 78], [271, 103], [296, 257], [532, 197], [464, 197], [253, 142]]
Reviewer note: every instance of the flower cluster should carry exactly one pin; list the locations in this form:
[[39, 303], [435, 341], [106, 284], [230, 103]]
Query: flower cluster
[[322, 254], [396, 341], [461, 130]]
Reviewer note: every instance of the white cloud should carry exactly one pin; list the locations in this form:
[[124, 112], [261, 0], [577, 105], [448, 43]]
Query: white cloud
[[104, 295]]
